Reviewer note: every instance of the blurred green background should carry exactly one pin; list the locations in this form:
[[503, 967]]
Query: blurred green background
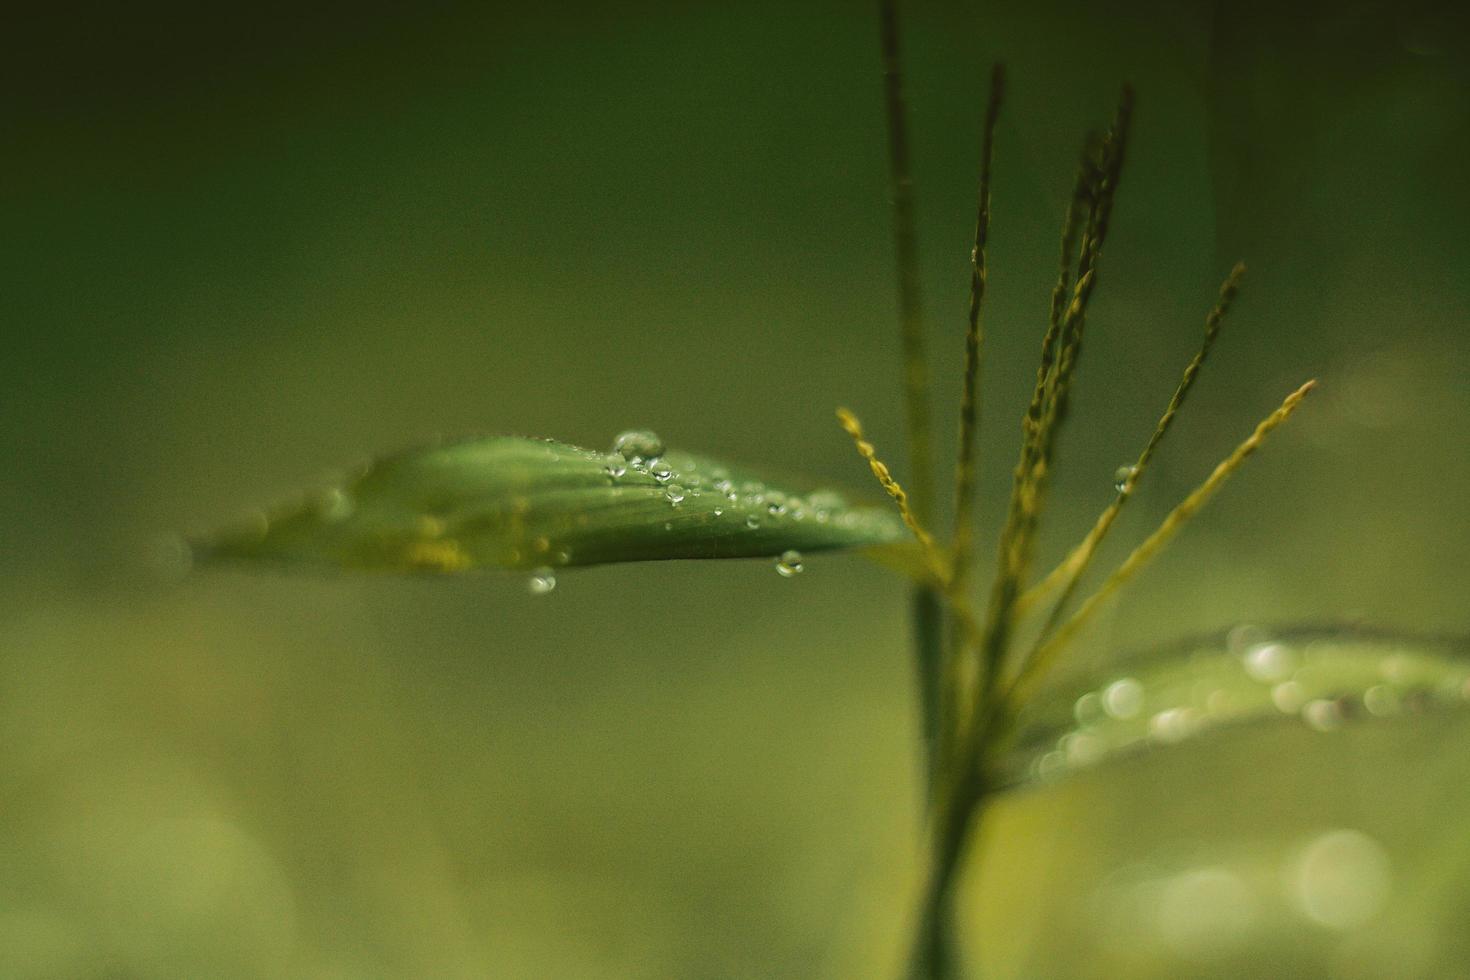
[[245, 246]]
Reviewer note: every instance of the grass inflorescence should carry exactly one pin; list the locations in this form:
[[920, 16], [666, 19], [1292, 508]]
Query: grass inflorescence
[[976, 682]]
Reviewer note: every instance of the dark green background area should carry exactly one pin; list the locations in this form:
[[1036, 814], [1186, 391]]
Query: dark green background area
[[243, 247]]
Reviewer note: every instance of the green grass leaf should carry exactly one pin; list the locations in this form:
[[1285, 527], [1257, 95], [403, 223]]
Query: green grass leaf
[[1324, 680], [519, 503]]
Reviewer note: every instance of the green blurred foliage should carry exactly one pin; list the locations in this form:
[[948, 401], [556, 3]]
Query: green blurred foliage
[[246, 245]]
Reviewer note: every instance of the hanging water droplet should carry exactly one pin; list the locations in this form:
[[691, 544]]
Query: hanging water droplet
[[661, 471], [789, 564], [638, 443], [1123, 477], [674, 494], [542, 581]]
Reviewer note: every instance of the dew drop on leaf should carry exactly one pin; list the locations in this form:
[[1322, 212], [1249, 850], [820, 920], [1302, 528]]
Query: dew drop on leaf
[[638, 443], [1123, 698]]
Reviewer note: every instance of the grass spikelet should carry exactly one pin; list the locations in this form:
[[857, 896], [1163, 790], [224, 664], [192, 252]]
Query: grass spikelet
[[967, 464], [1042, 657], [934, 558], [906, 253], [854, 428], [1069, 572], [1049, 402]]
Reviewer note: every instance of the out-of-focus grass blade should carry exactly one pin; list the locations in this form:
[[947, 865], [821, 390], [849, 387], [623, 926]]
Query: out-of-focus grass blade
[[1324, 680], [520, 503]]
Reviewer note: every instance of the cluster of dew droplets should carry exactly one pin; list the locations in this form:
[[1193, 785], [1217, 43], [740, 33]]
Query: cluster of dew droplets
[[638, 446], [748, 503], [1324, 683]]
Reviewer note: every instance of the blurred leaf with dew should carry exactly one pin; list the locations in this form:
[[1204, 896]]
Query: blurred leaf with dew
[[519, 503], [1323, 679]]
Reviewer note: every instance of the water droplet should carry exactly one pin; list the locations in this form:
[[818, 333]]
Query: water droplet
[[1323, 715], [542, 581], [719, 512], [674, 494], [752, 521], [1269, 662], [1088, 709], [639, 443], [1051, 765], [775, 508], [1123, 478], [1085, 748], [1243, 637], [1381, 700], [1172, 725], [826, 500], [1123, 699], [661, 471], [1341, 879], [789, 564], [1397, 668], [1288, 697], [616, 469]]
